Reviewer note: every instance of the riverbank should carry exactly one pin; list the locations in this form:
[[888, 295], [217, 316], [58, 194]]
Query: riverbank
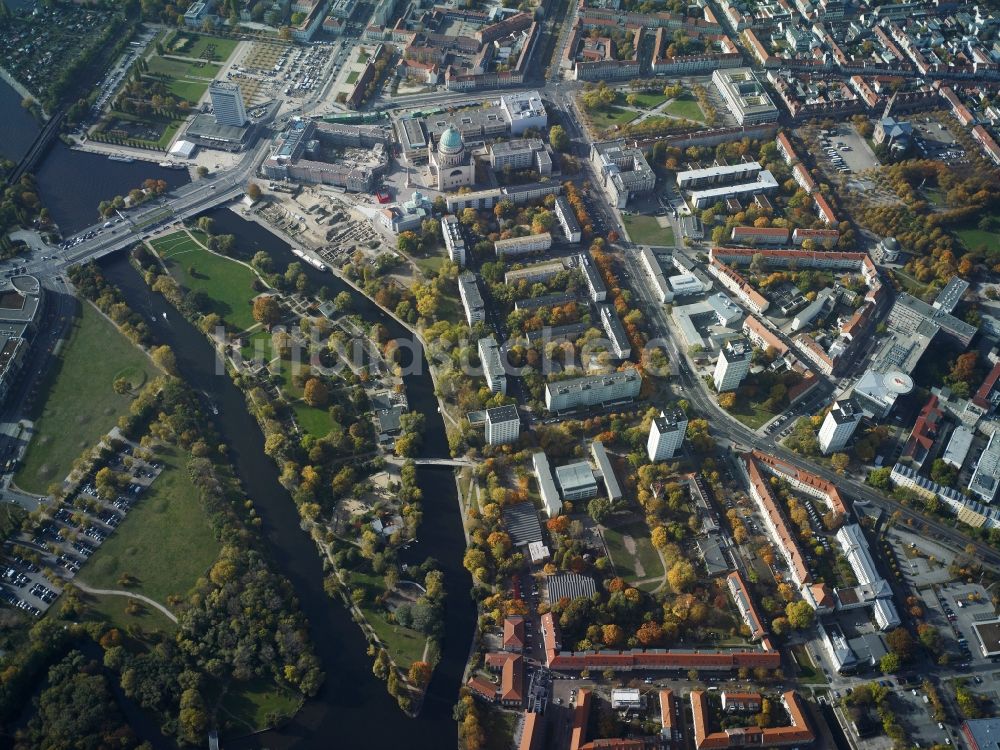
[[7, 78]]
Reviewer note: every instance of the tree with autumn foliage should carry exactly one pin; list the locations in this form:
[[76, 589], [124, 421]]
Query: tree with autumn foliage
[[420, 673], [612, 634]]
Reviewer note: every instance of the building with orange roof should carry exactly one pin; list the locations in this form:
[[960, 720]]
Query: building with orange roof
[[669, 719], [786, 149], [483, 688], [774, 519], [512, 682], [804, 179], [760, 235], [797, 732], [804, 481], [513, 634], [988, 144], [824, 209], [739, 286], [532, 731], [744, 603]]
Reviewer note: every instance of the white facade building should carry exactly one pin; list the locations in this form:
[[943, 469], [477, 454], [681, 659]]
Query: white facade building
[[503, 425], [453, 239], [546, 484], [733, 365], [493, 369], [666, 435], [227, 104], [593, 390], [472, 298], [839, 425]]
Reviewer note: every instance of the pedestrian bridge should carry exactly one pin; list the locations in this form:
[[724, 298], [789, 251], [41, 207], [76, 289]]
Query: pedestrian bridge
[[457, 462]]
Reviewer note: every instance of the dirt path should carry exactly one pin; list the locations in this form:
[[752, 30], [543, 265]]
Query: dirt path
[[116, 592], [629, 543]]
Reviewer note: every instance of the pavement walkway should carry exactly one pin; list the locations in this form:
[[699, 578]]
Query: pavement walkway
[[116, 592]]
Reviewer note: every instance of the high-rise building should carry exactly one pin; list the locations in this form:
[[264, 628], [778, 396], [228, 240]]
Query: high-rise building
[[666, 434], [593, 390], [493, 369], [453, 239], [227, 103], [733, 365], [838, 426], [503, 425]]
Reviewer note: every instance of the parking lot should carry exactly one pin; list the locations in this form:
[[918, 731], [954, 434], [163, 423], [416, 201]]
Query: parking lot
[[933, 140], [848, 151], [37, 564]]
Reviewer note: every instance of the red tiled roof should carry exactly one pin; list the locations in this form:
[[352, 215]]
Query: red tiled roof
[[981, 399], [512, 680], [824, 209], [783, 467], [924, 432], [797, 732], [668, 708], [482, 687], [513, 633], [760, 232], [786, 538], [532, 732]]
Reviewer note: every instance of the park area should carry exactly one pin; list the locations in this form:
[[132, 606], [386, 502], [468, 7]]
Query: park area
[[404, 645], [980, 240], [165, 542], [314, 420], [646, 230], [634, 557], [82, 405], [227, 284]]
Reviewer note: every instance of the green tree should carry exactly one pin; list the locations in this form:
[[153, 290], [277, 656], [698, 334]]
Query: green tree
[[559, 138]]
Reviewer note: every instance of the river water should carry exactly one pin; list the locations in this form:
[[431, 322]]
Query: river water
[[72, 183], [353, 709]]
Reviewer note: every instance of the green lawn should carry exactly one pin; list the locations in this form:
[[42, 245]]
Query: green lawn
[[405, 645], [753, 415], [605, 119], [227, 283], [973, 239], [166, 541], [317, 422], [648, 99], [191, 91], [645, 230], [81, 405], [807, 672], [685, 106], [174, 68], [199, 48], [909, 284], [363, 57], [112, 610], [645, 553], [431, 265], [353, 76], [250, 703]]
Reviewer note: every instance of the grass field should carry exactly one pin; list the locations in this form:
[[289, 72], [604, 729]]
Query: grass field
[[405, 645], [685, 106], [317, 422], [112, 610], [363, 57], [625, 562], [250, 703], [165, 541], [974, 239], [645, 230], [909, 284], [353, 76], [432, 264], [221, 49], [81, 405], [751, 414], [169, 66], [648, 99], [604, 119], [227, 283], [807, 672]]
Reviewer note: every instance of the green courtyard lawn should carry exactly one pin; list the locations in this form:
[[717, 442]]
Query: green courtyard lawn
[[605, 119], [190, 91], [363, 57], [165, 541], [353, 76], [807, 672], [79, 404], [316, 422], [646, 230], [627, 563], [685, 106], [228, 283], [249, 704], [648, 99], [431, 264], [405, 645], [909, 284], [974, 239]]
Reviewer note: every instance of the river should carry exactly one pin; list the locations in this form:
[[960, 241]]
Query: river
[[352, 706], [72, 183], [353, 709]]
